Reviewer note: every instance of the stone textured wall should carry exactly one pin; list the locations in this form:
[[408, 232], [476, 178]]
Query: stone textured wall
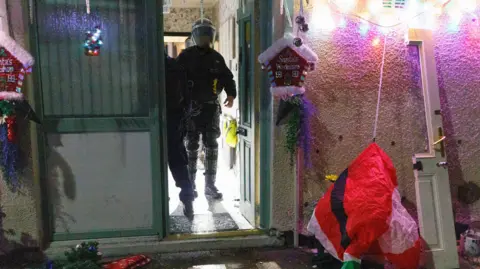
[[344, 89], [19, 218], [181, 19], [458, 68]]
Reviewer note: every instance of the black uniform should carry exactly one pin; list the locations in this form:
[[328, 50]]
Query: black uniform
[[208, 75], [176, 96]]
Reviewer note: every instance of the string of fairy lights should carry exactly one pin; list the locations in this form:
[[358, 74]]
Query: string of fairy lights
[[388, 14]]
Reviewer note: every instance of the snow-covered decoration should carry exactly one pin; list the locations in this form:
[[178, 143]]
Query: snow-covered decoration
[[287, 63], [15, 63]]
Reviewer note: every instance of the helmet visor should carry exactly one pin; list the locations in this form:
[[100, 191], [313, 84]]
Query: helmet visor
[[203, 35]]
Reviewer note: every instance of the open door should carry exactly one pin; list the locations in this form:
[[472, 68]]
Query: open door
[[101, 119], [432, 184], [246, 107]]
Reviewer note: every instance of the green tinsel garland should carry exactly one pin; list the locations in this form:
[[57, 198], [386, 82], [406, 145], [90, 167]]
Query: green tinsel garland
[[293, 128], [6, 108]]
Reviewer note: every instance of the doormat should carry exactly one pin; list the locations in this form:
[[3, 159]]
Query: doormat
[[204, 223]]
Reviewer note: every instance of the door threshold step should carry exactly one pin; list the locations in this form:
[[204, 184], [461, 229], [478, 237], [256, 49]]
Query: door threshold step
[[117, 247]]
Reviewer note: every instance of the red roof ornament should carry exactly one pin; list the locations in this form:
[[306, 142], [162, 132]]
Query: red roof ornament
[[287, 65]]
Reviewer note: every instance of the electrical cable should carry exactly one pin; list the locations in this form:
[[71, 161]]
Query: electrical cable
[[380, 84]]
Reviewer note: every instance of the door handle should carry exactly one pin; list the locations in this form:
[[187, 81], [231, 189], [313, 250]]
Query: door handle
[[242, 131], [442, 164], [441, 142]]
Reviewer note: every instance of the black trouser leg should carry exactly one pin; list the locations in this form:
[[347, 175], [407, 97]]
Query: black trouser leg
[[210, 135], [177, 156], [192, 142]]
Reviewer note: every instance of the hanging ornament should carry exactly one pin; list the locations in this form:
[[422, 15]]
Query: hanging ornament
[[287, 64], [287, 61], [93, 42], [15, 64], [300, 20], [303, 27], [297, 41]]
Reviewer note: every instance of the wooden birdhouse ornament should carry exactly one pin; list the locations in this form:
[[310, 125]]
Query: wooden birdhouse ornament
[[288, 62]]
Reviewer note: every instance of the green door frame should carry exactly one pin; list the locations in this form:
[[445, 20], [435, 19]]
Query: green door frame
[[265, 116], [265, 104], [155, 123], [247, 113]]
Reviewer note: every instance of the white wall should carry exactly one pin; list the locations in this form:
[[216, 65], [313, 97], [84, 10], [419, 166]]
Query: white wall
[[228, 42], [228, 46]]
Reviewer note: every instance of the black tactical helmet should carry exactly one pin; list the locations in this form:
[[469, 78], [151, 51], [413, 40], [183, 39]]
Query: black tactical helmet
[[203, 33]]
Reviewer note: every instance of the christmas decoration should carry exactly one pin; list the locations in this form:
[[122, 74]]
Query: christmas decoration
[[128, 263], [390, 14], [362, 214], [83, 256], [93, 42], [296, 112], [15, 63], [87, 256], [287, 65]]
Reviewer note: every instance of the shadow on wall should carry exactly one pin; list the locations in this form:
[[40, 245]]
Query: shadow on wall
[[61, 181], [455, 171], [18, 249]]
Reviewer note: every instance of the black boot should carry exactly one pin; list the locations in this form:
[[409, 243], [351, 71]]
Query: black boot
[[186, 196], [188, 209], [210, 188]]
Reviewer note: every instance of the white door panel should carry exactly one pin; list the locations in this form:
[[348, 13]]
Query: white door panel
[[432, 185]]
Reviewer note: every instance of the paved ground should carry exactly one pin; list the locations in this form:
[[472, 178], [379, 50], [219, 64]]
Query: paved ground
[[234, 259]]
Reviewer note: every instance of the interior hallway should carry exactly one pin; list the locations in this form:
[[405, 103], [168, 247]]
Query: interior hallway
[[210, 216]]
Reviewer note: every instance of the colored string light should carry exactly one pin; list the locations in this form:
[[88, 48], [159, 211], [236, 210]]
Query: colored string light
[[93, 42]]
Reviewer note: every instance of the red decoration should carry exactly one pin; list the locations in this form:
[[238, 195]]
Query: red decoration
[[287, 63], [128, 263], [11, 125], [288, 68], [10, 71]]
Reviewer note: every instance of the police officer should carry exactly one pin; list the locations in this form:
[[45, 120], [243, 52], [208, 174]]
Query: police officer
[[207, 75], [177, 155], [201, 149]]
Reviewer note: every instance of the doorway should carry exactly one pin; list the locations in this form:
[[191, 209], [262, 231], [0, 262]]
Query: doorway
[[236, 163]]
